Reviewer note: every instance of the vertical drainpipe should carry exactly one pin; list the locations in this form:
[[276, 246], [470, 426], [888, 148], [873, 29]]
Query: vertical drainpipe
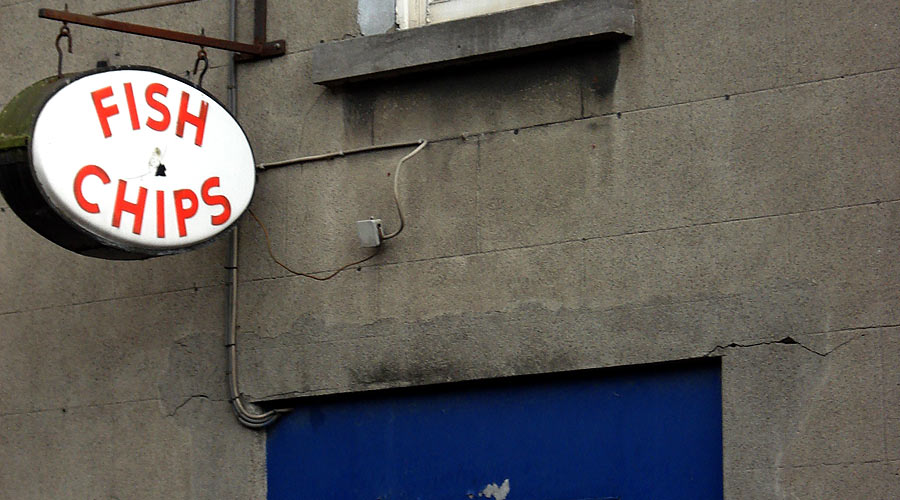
[[246, 416]]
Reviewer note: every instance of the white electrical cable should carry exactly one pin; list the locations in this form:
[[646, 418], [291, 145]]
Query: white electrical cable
[[335, 154], [422, 144]]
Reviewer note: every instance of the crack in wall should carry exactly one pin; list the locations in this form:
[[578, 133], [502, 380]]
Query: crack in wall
[[186, 401], [788, 340], [193, 288], [396, 352], [66, 409]]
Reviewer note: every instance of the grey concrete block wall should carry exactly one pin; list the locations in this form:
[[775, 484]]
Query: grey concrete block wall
[[684, 51], [133, 449], [112, 373], [832, 441], [723, 184]]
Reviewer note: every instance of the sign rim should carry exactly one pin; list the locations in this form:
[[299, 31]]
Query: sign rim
[[136, 250]]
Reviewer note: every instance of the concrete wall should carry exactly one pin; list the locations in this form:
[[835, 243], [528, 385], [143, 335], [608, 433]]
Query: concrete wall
[[723, 184], [112, 373]]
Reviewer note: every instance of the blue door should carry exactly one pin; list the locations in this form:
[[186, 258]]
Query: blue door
[[651, 432]]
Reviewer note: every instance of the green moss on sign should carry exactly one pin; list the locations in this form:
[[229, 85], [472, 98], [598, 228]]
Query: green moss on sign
[[17, 118]]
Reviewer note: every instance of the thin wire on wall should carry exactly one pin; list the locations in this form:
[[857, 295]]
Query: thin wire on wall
[[420, 146], [298, 273]]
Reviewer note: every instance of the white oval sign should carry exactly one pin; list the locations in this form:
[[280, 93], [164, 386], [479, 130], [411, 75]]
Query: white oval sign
[[142, 160]]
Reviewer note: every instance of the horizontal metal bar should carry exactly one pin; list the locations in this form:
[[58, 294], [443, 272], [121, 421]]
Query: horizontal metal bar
[[142, 7], [270, 49]]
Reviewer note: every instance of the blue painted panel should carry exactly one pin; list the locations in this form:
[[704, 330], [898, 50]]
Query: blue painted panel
[[643, 433]]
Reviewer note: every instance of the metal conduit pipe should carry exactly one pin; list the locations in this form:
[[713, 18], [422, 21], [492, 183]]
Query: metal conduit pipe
[[247, 416]]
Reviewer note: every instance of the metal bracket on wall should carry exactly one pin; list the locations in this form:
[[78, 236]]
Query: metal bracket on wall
[[259, 49]]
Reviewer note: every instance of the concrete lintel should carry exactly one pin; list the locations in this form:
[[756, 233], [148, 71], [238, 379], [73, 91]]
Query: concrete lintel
[[491, 36]]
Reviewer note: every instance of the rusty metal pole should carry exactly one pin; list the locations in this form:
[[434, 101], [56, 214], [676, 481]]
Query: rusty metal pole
[[255, 50]]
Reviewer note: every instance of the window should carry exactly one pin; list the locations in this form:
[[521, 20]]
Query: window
[[415, 13]]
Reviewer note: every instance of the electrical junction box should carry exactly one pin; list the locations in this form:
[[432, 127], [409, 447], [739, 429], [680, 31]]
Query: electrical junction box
[[369, 232]]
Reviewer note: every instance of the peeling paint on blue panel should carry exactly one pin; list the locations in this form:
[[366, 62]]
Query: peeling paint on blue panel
[[637, 433]]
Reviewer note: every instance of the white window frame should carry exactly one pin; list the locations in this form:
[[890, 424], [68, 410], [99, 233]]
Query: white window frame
[[415, 13]]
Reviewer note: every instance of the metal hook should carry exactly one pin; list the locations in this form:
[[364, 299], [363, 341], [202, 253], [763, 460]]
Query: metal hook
[[63, 33], [201, 56]]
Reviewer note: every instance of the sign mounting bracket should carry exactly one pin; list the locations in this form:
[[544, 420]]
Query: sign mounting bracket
[[259, 49]]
